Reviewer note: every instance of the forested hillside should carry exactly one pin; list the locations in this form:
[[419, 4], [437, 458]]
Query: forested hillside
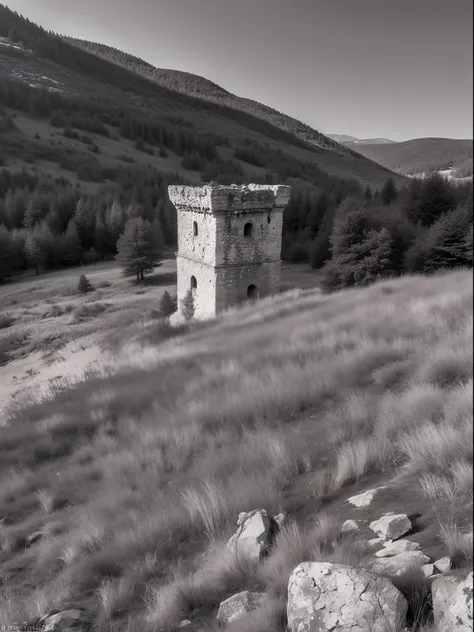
[[87, 145], [195, 85]]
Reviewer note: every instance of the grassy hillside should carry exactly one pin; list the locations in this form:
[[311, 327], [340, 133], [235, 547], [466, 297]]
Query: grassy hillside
[[421, 155], [118, 494]]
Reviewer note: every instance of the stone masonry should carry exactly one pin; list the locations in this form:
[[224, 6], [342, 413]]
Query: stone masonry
[[229, 243]]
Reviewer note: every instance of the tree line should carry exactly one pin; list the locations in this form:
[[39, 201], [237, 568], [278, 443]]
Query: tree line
[[425, 227]]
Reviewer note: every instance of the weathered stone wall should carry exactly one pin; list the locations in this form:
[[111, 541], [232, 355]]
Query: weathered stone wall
[[224, 258], [205, 292], [263, 244], [232, 282]]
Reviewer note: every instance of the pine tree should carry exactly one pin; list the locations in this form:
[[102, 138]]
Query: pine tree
[[445, 244], [72, 247], [34, 255], [6, 254], [361, 250], [435, 198], [84, 286], [167, 305], [389, 192], [187, 305], [139, 248]]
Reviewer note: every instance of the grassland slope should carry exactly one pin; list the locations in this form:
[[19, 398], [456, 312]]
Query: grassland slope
[[118, 495]]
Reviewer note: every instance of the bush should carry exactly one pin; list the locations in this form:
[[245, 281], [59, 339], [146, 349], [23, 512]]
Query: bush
[[6, 321], [84, 285], [187, 305], [168, 305]]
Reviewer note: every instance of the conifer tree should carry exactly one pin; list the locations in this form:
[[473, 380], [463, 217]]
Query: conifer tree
[[140, 248], [72, 247], [84, 286], [168, 304], [389, 192], [187, 305], [34, 255]]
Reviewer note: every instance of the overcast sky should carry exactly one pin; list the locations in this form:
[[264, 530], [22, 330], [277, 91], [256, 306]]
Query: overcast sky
[[398, 69]]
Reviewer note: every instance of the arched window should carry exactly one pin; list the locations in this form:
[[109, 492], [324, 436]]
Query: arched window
[[194, 283], [248, 229], [195, 229], [252, 291]]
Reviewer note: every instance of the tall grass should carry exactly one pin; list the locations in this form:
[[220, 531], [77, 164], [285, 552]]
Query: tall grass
[[136, 477]]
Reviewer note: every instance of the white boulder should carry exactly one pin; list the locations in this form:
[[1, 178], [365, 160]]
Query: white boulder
[[391, 526], [391, 548], [443, 565], [325, 597], [238, 606], [400, 564], [350, 526], [452, 604], [428, 570], [364, 499], [252, 538]]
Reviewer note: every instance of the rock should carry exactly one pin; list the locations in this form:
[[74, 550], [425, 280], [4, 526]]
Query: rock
[[253, 536], [452, 604], [395, 548], [443, 565], [65, 621], [399, 564], [325, 597], [185, 625], [391, 526], [279, 520], [375, 541], [364, 499], [239, 605], [427, 570], [350, 526]]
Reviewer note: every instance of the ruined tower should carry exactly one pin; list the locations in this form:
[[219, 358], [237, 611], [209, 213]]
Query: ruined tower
[[229, 243]]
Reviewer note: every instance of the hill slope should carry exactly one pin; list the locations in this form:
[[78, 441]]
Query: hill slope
[[118, 495], [195, 85], [421, 155], [43, 61]]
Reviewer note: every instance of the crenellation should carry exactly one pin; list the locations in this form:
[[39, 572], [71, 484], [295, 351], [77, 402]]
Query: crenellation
[[229, 242]]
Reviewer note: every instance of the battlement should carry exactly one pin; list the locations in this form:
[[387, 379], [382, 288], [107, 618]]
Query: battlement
[[216, 198]]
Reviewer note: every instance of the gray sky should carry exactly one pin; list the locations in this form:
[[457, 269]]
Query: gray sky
[[398, 69]]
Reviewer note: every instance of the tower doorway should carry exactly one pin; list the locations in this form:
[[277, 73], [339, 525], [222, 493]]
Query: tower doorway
[[252, 292]]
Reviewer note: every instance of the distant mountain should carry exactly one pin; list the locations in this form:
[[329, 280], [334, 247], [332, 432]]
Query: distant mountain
[[422, 155], [344, 139]]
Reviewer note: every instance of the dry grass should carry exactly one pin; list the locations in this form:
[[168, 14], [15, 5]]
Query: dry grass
[[290, 406]]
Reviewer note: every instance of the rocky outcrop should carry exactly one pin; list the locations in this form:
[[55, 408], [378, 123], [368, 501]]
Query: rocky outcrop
[[238, 606], [391, 526], [325, 597], [452, 604]]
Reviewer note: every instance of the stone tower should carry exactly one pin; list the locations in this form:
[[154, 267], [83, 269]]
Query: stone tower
[[229, 243]]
